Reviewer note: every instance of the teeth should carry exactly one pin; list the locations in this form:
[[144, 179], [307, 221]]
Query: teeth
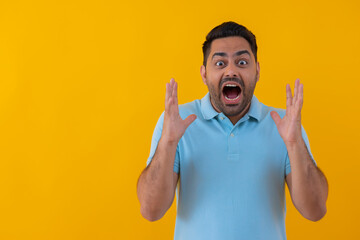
[[232, 99], [230, 85]]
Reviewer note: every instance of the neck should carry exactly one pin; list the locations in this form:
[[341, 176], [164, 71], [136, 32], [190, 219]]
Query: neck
[[236, 118]]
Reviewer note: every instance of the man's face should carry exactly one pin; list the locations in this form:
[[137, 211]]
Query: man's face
[[231, 74]]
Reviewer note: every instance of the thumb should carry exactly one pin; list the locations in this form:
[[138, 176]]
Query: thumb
[[189, 120], [276, 117]]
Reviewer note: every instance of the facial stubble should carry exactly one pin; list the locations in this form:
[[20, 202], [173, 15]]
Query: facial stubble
[[231, 110]]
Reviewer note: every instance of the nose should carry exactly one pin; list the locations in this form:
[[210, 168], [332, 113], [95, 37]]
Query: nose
[[231, 71]]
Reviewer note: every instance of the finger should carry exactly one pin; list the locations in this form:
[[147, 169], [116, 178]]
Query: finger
[[276, 117], [288, 96], [299, 103], [167, 93], [301, 96], [190, 119], [174, 93], [172, 81], [296, 89], [300, 91], [170, 87], [168, 96]]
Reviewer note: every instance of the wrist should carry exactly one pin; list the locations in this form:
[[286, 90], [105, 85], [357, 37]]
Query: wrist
[[295, 143], [168, 141]]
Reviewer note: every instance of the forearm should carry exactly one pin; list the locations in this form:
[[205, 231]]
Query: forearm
[[156, 185], [309, 185]]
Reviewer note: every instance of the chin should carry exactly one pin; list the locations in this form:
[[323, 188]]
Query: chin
[[234, 109]]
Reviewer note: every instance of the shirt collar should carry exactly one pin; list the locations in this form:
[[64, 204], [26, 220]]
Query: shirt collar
[[209, 112], [207, 109], [255, 110]]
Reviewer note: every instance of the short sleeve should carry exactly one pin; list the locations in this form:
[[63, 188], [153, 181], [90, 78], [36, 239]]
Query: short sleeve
[[154, 143], [287, 161]]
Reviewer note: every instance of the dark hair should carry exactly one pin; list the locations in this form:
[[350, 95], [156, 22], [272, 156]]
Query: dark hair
[[229, 29]]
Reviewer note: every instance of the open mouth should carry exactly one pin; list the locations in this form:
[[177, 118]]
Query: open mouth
[[231, 91]]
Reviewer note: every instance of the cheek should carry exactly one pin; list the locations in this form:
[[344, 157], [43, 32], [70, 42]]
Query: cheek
[[249, 78], [214, 79], [214, 85]]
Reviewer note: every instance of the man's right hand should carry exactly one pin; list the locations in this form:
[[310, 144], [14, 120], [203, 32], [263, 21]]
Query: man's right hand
[[174, 126], [157, 183]]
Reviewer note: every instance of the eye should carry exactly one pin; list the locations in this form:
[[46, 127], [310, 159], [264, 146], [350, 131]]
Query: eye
[[242, 62], [219, 63]]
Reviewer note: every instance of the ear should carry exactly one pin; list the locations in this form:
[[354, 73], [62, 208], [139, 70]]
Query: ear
[[257, 71], [203, 73]]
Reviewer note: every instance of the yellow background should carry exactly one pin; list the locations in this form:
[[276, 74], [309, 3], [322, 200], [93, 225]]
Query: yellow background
[[82, 84]]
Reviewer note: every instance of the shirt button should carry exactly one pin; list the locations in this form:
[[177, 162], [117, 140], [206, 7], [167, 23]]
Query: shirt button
[[232, 134], [222, 118]]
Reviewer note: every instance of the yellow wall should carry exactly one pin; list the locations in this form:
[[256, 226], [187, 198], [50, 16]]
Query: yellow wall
[[82, 85]]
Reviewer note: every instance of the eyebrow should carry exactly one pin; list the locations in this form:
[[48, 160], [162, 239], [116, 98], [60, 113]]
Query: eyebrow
[[238, 53]]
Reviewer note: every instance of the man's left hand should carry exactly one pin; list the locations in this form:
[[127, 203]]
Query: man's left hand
[[289, 126]]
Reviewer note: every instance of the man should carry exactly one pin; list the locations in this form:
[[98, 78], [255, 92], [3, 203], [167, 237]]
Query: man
[[231, 154]]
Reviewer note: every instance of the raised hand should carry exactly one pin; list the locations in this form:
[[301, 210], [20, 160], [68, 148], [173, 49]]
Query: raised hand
[[174, 126], [289, 126]]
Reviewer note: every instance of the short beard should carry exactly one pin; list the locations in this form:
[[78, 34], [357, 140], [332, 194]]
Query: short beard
[[231, 110]]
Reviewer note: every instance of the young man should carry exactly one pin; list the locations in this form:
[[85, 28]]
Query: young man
[[231, 153]]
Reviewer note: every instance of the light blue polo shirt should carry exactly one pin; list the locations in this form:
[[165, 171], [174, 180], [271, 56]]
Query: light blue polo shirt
[[232, 177]]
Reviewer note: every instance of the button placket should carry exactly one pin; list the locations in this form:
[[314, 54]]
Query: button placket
[[232, 142], [225, 123]]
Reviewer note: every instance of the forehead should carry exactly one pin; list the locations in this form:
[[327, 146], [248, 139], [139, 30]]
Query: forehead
[[229, 45]]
